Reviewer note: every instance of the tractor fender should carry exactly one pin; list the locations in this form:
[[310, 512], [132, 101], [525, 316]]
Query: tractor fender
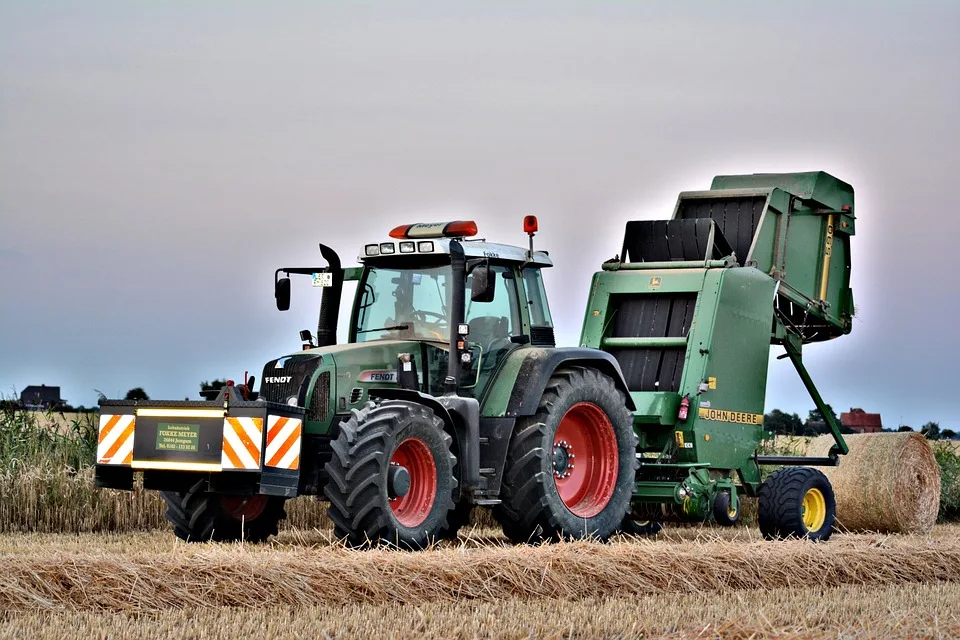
[[461, 419], [539, 364]]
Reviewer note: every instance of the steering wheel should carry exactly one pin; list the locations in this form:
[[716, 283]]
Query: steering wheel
[[421, 316]]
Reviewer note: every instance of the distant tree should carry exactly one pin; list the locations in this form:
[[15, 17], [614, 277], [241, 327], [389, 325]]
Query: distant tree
[[817, 417], [137, 393], [948, 434], [816, 424], [904, 428], [215, 385], [782, 423], [931, 431]]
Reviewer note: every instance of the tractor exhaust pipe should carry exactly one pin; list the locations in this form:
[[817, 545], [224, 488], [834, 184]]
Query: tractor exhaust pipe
[[458, 279], [330, 302]]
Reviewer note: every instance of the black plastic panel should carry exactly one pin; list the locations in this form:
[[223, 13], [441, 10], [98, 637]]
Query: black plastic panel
[[737, 217], [652, 316], [542, 336], [672, 241]]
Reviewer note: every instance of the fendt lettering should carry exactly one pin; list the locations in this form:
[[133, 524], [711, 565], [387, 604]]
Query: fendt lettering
[[450, 391]]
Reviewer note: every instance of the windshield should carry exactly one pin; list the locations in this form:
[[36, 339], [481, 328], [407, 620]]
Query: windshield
[[404, 304]]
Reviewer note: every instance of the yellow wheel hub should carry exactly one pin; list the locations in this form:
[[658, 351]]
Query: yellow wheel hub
[[814, 510]]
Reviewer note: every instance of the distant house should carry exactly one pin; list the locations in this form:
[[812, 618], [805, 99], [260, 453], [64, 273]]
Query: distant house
[[860, 421], [42, 397]]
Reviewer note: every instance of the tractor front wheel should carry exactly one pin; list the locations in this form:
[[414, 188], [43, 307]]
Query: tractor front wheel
[[571, 466], [391, 476], [200, 516], [796, 502]]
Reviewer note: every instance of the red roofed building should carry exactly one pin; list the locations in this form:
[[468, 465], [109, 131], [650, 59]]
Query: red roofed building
[[860, 421]]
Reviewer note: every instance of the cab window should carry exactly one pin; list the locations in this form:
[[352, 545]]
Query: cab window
[[492, 323], [537, 298]]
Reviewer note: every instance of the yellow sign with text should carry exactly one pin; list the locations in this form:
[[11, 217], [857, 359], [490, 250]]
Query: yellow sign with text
[[736, 417]]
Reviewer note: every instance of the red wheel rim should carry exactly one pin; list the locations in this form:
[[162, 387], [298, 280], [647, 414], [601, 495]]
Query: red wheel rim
[[414, 507], [585, 459], [244, 508]]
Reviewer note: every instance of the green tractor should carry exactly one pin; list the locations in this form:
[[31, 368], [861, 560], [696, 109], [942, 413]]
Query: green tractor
[[451, 393]]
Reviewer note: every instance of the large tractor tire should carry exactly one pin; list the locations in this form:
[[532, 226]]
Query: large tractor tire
[[797, 502], [200, 516], [391, 476], [571, 466]]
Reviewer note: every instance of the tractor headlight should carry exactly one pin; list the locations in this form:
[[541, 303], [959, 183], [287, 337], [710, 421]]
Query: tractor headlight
[[372, 250], [292, 401]]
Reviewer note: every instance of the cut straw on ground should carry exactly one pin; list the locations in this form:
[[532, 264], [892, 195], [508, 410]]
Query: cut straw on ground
[[180, 576], [895, 611]]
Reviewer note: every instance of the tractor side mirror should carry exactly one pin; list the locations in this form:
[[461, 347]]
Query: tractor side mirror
[[482, 283], [281, 291]]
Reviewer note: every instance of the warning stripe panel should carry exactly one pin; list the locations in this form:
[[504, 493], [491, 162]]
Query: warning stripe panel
[[242, 438], [283, 442], [115, 439]]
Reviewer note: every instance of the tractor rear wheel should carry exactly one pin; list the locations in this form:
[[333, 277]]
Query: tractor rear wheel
[[797, 502], [391, 476], [570, 467], [200, 516]]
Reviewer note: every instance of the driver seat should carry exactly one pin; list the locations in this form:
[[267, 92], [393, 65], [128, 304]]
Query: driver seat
[[486, 330]]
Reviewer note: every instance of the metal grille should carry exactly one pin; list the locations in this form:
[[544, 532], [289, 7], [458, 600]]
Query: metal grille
[[737, 217], [320, 401], [295, 368], [652, 316], [542, 336]]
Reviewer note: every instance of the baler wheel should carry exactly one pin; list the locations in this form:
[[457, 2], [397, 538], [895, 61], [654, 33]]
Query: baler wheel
[[725, 514], [640, 527], [797, 502], [200, 516], [571, 466], [391, 476]]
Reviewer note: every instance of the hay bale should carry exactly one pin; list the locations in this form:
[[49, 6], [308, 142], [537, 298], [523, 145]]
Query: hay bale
[[889, 482]]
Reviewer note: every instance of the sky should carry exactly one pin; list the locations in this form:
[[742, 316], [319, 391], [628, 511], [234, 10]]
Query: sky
[[159, 160]]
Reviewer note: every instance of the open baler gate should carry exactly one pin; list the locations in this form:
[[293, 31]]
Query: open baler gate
[[691, 306]]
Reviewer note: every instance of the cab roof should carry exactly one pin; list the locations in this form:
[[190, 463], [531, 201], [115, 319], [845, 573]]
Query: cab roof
[[437, 247]]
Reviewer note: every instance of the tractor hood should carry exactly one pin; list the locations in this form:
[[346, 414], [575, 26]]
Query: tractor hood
[[335, 379]]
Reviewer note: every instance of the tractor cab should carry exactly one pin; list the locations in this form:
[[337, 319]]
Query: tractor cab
[[407, 290], [432, 290]]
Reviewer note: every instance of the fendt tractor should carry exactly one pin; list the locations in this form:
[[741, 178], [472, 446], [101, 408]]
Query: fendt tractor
[[451, 393]]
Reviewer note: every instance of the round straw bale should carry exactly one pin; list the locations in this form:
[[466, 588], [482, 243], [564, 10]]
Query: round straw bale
[[889, 482]]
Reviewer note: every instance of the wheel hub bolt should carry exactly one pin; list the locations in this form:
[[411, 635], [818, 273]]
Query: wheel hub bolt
[[398, 481], [562, 459]]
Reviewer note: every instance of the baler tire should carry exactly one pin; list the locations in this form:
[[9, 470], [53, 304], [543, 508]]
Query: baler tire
[[532, 508], [357, 488], [780, 511], [200, 516], [721, 510], [647, 528]]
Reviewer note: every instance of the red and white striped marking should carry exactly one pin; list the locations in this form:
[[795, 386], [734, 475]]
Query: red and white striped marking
[[241, 443], [115, 439], [283, 442]]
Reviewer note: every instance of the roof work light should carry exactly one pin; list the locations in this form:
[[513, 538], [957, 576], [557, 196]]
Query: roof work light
[[456, 229]]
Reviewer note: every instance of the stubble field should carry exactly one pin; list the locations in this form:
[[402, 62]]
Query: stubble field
[[77, 562], [687, 582]]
